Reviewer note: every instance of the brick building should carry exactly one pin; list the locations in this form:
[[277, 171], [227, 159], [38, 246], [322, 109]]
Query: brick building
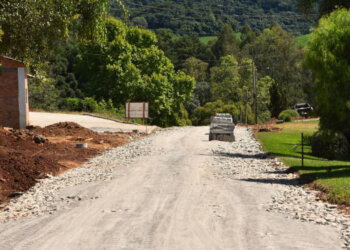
[[14, 107]]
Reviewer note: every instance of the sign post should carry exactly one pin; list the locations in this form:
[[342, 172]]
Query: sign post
[[137, 110]]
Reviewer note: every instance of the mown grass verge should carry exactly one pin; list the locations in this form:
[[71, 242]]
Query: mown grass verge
[[331, 177]]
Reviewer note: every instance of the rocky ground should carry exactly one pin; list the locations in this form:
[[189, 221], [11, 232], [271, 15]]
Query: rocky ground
[[231, 164], [45, 196], [247, 161]]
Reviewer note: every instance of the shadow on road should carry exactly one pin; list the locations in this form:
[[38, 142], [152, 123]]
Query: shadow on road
[[288, 182], [244, 156]]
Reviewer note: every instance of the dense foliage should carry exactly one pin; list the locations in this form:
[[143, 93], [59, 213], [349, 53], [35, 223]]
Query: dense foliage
[[126, 66], [32, 28], [328, 56], [223, 68], [206, 17], [81, 59], [324, 6]]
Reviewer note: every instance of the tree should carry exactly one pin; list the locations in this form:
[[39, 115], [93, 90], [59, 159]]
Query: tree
[[225, 80], [227, 43], [128, 66], [32, 28], [277, 55], [327, 55], [325, 6], [140, 22], [195, 68]]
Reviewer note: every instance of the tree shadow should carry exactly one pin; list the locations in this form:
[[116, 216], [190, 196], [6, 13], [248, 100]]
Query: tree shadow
[[288, 182], [322, 172], [307, 156], [244, 156]]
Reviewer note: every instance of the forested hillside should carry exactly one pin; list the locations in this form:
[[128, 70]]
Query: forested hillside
[[206, 17]]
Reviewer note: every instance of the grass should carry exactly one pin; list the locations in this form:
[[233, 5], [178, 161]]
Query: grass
[[207, 39], [285, 145], [303, 40]]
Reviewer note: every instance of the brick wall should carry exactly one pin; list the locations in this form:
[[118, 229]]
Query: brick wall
[[9, 107]]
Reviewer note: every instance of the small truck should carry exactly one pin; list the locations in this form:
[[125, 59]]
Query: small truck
[[221, 128]]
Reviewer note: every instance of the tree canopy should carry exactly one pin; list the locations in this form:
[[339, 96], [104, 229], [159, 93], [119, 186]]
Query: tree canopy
[[325, 6], [32, 28], [328, 56], [206, 17], [128, 66]]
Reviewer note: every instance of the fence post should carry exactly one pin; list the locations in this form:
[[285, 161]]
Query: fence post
[[302, 150]]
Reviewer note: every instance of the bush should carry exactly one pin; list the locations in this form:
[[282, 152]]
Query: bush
[[89, 104], [330, 145], [74, 104], [288, 115]]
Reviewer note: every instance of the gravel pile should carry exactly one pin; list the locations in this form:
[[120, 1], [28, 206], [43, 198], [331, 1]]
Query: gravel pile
[[245, 160], [44, 196]]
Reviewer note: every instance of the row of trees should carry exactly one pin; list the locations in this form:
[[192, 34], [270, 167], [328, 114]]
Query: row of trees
[[75, 50], [223, 68], [206, 17]]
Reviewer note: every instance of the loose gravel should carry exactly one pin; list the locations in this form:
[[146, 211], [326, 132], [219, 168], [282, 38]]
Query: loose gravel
[[45, 196], [243, 160]]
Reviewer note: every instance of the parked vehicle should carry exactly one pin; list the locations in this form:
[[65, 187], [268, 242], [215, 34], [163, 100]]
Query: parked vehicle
[[221, 128], [303, 109]]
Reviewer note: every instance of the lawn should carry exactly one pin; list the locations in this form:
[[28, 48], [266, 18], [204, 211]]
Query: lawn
[[285, 145], [207, 39], [303, 40]]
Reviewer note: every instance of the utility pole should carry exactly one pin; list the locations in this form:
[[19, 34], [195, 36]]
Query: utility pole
[[254, 94], [240, 114], [246, 108]]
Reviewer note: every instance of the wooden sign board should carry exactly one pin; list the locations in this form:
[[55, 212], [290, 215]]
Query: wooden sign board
[[136, 110]]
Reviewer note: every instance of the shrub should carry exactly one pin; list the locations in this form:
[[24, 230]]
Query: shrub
[[330, 145], [89, 104], [74, 104], [288, 114]]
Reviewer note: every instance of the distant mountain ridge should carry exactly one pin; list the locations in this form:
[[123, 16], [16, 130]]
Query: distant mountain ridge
[[206, 17]]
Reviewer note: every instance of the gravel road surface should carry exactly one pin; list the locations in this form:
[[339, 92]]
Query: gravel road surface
[[93, 123], [174, 190]]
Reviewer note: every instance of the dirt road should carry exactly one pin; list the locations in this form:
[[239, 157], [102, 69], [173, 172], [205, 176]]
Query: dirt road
[[94, 123], [180, 196]]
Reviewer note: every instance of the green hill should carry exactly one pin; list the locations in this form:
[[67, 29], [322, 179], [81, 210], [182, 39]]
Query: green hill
[[303, 40], [206, 17]]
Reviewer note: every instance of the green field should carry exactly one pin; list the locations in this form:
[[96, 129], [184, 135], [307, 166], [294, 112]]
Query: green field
[[207, 39], [303, 40], [285, 145]]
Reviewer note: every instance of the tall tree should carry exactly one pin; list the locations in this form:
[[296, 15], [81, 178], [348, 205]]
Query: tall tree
[[328, 56], [276, 54], [225, 80], [32, 28], [227, 43], [128, 66]]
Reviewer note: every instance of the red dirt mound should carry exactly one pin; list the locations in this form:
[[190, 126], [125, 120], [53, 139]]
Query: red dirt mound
[[64, 129], [23, 162]]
